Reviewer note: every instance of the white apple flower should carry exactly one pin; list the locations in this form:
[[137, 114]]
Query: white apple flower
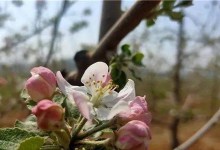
[[98, 98]]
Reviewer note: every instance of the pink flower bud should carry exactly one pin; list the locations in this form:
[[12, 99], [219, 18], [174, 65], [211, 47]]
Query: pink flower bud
[[138, 111], [133, 136], [42, 84], [49, 115]]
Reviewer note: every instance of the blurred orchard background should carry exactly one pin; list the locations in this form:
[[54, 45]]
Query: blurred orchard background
[[180, 76]]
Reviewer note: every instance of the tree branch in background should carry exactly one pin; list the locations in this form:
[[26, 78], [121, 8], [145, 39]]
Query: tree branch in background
[[128, 21], [66, 4], [215, 118], [109, 16], [24, 39]]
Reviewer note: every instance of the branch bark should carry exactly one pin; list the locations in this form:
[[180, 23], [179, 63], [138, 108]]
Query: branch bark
[[215, 118], [109, 16], [127, 22]]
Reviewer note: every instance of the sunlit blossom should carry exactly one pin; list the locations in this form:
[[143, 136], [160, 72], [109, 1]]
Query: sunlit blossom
[[98, 96]]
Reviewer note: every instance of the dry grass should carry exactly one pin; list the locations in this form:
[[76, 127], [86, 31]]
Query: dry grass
[[161, 136]]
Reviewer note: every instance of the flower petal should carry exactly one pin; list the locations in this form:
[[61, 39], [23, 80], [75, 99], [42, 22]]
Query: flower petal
[[102, 113], [65, 87], [110, 99], [128, 92], [81, 101], [121, 106], [96, 72]]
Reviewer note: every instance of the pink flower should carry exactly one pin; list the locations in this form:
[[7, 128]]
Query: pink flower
[[138, 111], [49, 115], [42, 84], [133, 136]]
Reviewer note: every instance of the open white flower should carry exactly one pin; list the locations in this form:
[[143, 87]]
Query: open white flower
[[97, 97]]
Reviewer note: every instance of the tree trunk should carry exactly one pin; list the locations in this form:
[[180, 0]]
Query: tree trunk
[[177, 84]]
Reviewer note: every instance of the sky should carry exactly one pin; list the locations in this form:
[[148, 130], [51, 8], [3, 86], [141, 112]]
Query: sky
[[25, 16]]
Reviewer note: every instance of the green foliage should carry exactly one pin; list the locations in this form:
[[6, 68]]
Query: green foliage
[[33, 143], [137, 58], [167, 9], [18, 139], [125, 59], [30, 125]]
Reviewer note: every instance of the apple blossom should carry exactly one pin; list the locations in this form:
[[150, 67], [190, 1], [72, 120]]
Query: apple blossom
[[49, 115], [98, 96], [133, 136], [138, 111], [42, 84]]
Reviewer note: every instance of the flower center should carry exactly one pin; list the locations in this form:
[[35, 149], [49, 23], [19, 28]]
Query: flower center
[[99, 90]]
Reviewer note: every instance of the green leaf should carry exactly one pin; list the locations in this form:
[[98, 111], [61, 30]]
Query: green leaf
[[122, 80], [150, 22], [137, 59], [24, 95], [168, 4], [115, 73], [30, 104], [30, 125], [184, 3], [59, 98], [177, 16], [33, 143], [11, 138], [126, 49], [71, 111]]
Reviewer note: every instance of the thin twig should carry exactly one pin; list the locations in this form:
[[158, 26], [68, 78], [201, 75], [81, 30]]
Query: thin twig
[[94, 143], [215, 118], [66, 4]]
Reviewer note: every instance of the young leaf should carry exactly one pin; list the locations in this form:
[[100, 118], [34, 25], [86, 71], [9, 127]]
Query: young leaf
[[184, 3], [126, 49], [176, 15], [30, 125], [58, 98], [33, 143], [150, 22], [11, 138], [168, 4], [137, 59]]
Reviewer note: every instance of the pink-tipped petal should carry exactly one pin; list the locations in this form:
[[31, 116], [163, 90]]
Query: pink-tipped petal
[[81, 100], [96, 72]]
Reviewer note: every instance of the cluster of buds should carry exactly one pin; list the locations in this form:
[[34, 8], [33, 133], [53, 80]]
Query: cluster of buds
[[96, 100], [41, 87]]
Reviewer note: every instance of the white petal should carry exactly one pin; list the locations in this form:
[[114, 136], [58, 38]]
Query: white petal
[[96, 72], [128, 92], [65, 87], [82, 102], [62, 83], [119, 107], [102, 113], [110, 100]]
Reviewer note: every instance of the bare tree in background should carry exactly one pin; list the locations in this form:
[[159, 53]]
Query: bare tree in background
[[177, 83]]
